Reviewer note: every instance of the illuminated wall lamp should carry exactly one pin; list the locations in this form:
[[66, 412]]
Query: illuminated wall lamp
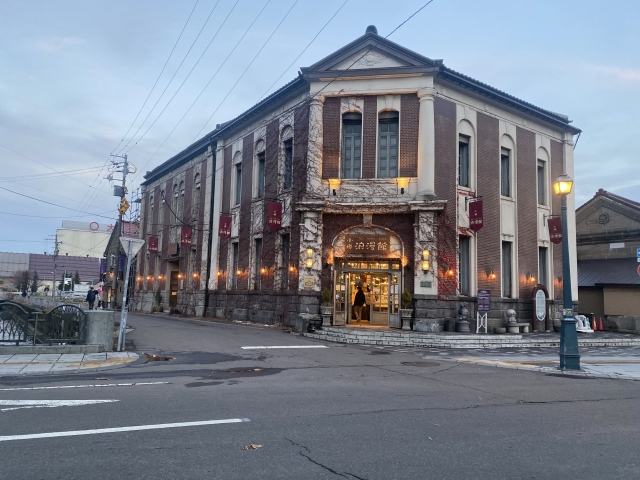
[[334, 184], [426, 254], [263, 270], [403, 182], [530, 278], [309, 262]]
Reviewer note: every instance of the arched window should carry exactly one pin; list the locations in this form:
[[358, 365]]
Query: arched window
[[351, 145], [388, 144], [180, 211]]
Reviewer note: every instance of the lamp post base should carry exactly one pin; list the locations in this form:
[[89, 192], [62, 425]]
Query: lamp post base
[[569, 353]]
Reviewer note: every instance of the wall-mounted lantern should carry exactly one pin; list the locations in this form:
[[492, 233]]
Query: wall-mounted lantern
[[426, 256], [334, 184], [403, 182], [309, 261]]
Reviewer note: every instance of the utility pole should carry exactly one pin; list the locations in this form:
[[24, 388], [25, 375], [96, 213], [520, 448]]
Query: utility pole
[[120, 192]]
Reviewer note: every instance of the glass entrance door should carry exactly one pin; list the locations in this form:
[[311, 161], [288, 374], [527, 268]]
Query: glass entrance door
[[379, 295], [340, 305]]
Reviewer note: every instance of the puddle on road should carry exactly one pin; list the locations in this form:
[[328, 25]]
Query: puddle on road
[[156, 358]]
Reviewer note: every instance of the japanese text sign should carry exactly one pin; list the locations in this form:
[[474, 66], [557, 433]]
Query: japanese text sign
[[152, 246], [186, 234], [274, 215], [224, 231], [555, 229], [476, 215], [367, 244]]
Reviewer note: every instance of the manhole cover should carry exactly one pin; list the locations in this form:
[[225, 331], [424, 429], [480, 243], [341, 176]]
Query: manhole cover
[[156, 358], [421, 364]]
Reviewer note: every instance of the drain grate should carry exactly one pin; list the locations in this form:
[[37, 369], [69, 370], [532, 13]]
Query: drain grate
[[421, 364], [157, 358]]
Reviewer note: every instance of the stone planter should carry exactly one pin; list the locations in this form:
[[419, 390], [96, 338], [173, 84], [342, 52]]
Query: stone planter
[[326, 309], [405, 315]]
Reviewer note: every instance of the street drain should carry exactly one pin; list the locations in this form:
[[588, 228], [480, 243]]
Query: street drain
[[421, 364], [156, 358]]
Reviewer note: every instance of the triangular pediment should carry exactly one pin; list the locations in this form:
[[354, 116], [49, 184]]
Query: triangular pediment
[[372, 52], [606, 211]]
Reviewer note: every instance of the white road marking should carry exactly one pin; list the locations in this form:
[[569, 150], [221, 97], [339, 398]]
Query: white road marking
[[288, 346], [84, 386], [20, 404], [120, 429]]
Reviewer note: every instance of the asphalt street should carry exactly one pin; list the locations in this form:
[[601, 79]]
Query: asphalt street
[[342, 411]]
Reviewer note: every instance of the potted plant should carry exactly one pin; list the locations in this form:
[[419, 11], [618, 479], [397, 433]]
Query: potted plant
[[405, 311], [326, 307], [158, 299]]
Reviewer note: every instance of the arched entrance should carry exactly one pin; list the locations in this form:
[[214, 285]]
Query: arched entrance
[[370, 258]]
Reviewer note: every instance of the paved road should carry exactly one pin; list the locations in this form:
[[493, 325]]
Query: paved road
[[350, 412]]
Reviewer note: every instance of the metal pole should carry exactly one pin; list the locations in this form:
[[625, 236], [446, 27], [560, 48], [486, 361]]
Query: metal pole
[[125, 170], [123, 314], [569, 354]]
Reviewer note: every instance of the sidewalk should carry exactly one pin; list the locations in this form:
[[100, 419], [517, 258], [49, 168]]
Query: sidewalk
[[54, 363]]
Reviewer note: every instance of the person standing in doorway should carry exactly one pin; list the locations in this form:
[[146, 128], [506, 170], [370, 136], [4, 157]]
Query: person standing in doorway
[[91, 297], [358, 303], [99, 292]]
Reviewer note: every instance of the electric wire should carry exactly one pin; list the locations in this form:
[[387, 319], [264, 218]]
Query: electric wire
[[171, 80], [159, 75]]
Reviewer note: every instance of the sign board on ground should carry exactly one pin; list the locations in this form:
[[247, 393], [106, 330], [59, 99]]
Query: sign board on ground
[[541, 305], [484, 300]]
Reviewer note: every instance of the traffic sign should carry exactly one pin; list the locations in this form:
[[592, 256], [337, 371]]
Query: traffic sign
[[638, 269], [638, 252]]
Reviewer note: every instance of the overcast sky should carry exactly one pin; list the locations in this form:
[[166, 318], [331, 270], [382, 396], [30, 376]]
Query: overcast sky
[[74, 74]]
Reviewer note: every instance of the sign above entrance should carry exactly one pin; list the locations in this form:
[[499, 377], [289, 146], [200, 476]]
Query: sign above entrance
[[367, 244]]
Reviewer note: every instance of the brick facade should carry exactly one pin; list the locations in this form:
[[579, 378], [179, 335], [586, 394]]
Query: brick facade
[[488, 238], [331, 138], [527, 165], [245, 240], [369, 136], [409, 124]]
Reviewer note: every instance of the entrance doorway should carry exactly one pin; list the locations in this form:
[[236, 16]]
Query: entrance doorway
[[380, 282], [174, 282]]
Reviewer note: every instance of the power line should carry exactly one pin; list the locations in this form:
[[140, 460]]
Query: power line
[[49, 203], [247, 68], [210, 80], [37, 176], [305, 48], [171, 80], [159, 75], [40, 163], [38, 216]]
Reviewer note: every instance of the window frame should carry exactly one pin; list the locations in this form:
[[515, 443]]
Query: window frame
[[260, 166], [543, 266], [506, 154], [466, 141], [237, 184], [349, 118], [507, 269], [287, 163], [464, 265], [542, 182], [387, 117]]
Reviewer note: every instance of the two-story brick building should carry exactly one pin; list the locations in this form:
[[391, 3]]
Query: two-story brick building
[[363, 171]]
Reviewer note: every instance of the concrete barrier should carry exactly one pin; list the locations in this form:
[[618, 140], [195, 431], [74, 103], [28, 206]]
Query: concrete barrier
[[99, 328]]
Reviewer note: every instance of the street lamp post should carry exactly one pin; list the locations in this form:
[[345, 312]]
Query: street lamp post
[[569, 353]]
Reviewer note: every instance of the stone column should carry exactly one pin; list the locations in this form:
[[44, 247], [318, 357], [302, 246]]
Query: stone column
[[99, 329], [314, 150], [426, 144], [310, 237]]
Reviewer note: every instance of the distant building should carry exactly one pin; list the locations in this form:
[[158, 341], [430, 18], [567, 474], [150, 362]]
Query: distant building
[[12, 264], [608, 239], [83, 239]]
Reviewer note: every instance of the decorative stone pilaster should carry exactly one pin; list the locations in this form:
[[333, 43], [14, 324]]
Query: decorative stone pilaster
[[314, 150], [426, 282], [426, 144], [310, 249]]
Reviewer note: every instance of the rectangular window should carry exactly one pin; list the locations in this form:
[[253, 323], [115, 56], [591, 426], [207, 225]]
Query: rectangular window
[[288, 163], [463, 161], [257, 264], [542, 184], [261, 175], [285, 262], [543, 273], [506, 269], [351, 145], [388, 145], [464, 266], [234, 267], [238, 183], [505, 173]]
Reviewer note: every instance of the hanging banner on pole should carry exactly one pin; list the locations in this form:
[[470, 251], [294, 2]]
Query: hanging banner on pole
[[555, 229], [186, 235], [224, 231], [153, 245], [274, 215], [476, 215]]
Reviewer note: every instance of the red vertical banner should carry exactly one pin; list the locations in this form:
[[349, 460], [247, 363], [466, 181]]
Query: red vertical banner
[[476, 215], [274, 215], [186, 234], [152, 246], [224, 230], [555, 229]]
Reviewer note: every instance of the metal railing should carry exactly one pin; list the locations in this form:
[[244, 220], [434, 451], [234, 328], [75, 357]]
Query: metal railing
[[17, 324], [65, 324]]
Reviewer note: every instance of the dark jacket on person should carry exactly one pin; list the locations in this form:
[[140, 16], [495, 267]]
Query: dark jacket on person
[[91, 296], [360, 298]]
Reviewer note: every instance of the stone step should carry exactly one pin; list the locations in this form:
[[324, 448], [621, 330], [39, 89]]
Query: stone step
[[457, 341]]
